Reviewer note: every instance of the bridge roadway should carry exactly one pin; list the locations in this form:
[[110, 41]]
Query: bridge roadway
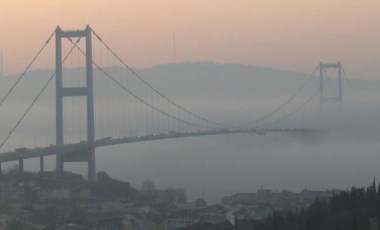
[[24, 153]]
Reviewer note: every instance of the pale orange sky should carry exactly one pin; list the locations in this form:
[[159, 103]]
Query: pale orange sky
[[287, 34]]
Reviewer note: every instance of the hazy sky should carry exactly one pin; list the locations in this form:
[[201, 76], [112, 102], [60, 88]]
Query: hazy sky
[[288, 34]]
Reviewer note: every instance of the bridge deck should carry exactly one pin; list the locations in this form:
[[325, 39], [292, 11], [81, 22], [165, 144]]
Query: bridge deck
[[70, 148]]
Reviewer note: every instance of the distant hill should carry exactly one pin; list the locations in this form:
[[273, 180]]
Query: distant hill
[[204, 78], [207, 88], [228, 93], [225, 92]]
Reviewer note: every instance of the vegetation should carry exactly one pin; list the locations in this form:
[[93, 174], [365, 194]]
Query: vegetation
[[107, 188], [350, 209]]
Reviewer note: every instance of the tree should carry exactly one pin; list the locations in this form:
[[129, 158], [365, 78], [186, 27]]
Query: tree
[[16, 223], [149, 191], [148, 186], [355, 222], [103, 177]]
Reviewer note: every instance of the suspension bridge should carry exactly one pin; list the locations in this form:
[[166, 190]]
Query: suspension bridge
[[113, 109]]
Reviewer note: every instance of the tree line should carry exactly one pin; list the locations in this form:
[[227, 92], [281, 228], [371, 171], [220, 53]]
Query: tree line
[[350, 209]]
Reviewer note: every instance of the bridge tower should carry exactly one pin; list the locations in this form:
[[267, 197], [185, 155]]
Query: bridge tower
[[322, 68], [87, 91]]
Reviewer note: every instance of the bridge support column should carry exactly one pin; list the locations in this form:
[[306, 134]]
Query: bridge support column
[[42, 169], [59, 97], [20, 166], [90, 106], [59, 165], [87, 91], [91, 165], [340, 93]]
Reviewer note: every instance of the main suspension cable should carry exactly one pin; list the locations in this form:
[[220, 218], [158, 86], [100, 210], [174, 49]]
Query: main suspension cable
[[346, 78], [294, 111], [26, 69], [35, 99], [154, 89], [285, 103], [139, 98]]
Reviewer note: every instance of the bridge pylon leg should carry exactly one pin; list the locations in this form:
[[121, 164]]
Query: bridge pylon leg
[[42, 168], [91, 165], [59, 98], [20, 166], [59, 165]]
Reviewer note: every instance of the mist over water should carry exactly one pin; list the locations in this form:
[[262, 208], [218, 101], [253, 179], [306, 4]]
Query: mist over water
[[343, 154]]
